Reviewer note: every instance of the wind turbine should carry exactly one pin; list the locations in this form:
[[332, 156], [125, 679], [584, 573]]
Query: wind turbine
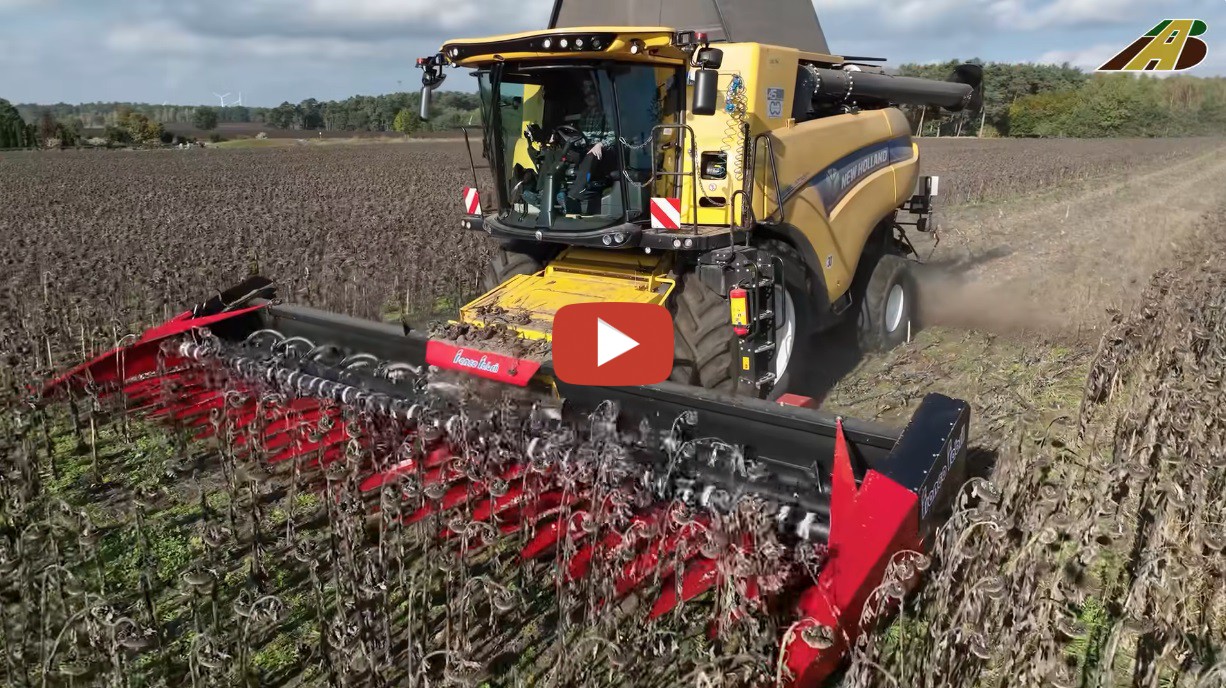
[[222, 97], [240, 99]]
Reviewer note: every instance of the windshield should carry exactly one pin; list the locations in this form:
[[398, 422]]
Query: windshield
[[572, 144]]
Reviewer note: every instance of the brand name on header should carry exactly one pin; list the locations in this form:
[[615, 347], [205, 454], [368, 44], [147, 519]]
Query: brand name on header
[[483, 364], [928, 495]]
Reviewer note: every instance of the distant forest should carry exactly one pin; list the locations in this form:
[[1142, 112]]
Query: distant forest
[[359, 113], [393, 112], [1061, 101], [1020, 100]]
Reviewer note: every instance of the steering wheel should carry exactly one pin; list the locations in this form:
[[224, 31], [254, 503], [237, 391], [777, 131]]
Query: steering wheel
[[571, 136]]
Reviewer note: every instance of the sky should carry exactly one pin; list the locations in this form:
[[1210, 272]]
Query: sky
[[185, 51]]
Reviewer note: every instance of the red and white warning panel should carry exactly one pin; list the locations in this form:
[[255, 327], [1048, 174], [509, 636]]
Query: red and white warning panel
[[666, 213], [472, 201]]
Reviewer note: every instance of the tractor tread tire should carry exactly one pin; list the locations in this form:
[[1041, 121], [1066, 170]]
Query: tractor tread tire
[[703, 343], [889, 270], [507, 264]]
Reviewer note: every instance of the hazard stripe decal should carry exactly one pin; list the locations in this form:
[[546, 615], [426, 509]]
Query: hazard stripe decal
[[838, 179], [472, 201], [666, 213]]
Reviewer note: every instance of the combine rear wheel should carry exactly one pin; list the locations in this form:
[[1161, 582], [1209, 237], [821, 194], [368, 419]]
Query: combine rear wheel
[[888, 306]]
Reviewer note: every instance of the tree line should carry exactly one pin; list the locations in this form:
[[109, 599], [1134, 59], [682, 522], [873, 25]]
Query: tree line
[[1019, 100], [1030, 100], [101, 115], [452, 109], [14, 132]]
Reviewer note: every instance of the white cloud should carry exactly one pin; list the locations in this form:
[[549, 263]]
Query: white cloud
[[160, 38], [1070, 13], [1088, 58], [1005, 15], [383, 19], [169, 40], [458, 19], [457, 14]]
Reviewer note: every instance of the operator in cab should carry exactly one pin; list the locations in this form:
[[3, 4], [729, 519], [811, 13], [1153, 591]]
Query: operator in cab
[[585, 142], [592, 172]]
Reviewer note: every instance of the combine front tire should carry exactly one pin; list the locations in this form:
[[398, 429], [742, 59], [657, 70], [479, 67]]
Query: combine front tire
[[888, 306], [795, 327], [706, 350], [507, 263], [704, 346]]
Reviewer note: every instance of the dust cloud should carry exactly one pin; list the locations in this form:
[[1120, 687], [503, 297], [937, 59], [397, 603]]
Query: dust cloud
[[954, 300]]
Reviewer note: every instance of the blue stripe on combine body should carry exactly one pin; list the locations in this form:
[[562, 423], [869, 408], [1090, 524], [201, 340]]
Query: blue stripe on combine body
[[835, 181]]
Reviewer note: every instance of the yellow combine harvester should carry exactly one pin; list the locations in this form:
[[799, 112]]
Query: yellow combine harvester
[[673, 165]]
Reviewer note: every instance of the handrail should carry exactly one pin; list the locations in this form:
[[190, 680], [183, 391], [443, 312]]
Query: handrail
[[774, 165], [693, 172]]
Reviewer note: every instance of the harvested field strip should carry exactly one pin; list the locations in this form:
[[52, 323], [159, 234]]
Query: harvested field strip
[[984, 170], [1060, 263], [1094, 556]]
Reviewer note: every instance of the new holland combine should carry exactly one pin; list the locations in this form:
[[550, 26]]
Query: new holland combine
[[724, 165]]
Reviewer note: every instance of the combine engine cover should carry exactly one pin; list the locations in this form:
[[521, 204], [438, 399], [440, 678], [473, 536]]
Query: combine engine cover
[[851, 504], [791, 23]]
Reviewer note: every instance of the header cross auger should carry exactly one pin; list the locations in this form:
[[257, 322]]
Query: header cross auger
[[761, 193]]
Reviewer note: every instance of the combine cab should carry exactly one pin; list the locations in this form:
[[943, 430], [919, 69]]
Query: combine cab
[[727, 166]]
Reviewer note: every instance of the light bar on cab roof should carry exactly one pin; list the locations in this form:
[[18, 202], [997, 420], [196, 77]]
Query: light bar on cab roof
[[561, 42]]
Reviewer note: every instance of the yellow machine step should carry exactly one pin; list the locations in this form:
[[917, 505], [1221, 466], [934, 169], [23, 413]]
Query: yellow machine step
[[527, 303]]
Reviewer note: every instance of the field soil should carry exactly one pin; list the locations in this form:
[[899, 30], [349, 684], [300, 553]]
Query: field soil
[[250, 130], [1074, 297], [1064, 257]]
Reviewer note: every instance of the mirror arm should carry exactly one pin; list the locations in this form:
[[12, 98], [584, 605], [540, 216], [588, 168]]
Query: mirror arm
[[432, 76]]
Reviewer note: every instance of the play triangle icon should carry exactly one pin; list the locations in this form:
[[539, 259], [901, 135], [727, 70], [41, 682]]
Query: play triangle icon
[[611, 342]]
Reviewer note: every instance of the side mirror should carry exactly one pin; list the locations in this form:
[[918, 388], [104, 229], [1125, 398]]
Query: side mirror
[[432, 75], [426, 93], [706, 91], [706, 80]]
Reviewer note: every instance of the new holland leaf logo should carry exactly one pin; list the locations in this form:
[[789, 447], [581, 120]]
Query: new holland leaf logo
[[1171, 46]]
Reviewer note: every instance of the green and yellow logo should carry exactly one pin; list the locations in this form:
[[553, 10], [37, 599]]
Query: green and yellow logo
[[1171, 46]]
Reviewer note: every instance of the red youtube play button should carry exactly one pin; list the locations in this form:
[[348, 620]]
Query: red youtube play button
[[613, 344]]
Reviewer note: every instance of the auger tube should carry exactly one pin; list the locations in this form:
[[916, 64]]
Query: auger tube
[[846, 86]]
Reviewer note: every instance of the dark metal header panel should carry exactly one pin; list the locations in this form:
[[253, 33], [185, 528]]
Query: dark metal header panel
[[789, 23]]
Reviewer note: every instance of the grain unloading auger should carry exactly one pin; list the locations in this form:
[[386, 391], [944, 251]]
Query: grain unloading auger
[[283, 383]]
